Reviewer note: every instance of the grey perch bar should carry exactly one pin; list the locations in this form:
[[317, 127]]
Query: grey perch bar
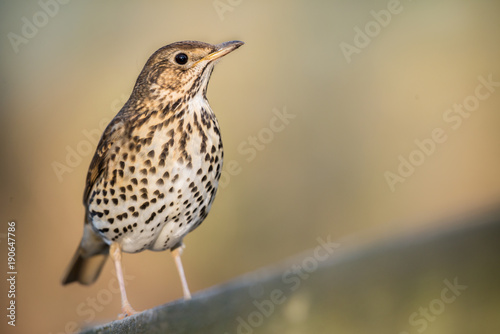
[[445, 281]]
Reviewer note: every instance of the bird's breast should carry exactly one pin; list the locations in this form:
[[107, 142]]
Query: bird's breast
[[161, 180]]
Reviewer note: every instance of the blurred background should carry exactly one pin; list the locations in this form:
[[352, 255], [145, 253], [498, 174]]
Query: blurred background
[[352, 86]]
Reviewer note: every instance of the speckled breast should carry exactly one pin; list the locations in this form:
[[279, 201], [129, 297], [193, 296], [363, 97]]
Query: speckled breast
[[160, 182]]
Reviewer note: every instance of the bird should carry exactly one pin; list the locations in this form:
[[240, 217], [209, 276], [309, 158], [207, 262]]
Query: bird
[[155, 172]]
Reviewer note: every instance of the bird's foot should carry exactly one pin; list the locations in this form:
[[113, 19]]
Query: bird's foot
[[127, 311]]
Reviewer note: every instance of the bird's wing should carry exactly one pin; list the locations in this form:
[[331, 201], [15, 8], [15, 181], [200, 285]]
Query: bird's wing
[[111, 135]]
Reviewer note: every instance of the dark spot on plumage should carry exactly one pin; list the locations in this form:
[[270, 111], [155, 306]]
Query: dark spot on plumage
[[180, 160], [123, 189], [132, 158], [160, 182], [144, 195], [98, 201], [180, 196], [147, 163], [153, 215], [188, 205], [161, 196], [211, 168], [175, 178], [135, 225], [131, 208], [171, 190], [115, 201], [207, 157], [180, 125], [153, 200], [124, 229], [162, 208], [113, 156], [161, 163], [123, 197], [216, 130], [176, 104], [124, 156], [204, 178], [171, 204], [134, 181], [129, 187], [135, 214], [116, 230], [106, 201], [152, 170], [106, 212], [203, 147], [143, 171], [133, 197], [131, 146], [131, 169], [151, 154], [144, 180], [138, 147], [180, 113], [144, 205]]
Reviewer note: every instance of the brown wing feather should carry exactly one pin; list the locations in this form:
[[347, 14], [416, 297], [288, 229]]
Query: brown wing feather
[[99, 162]]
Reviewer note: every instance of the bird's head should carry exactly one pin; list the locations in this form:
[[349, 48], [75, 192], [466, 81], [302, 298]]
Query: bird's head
[[180, 69]]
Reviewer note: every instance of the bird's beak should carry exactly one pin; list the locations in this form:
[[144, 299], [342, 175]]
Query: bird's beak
[[223, 49]]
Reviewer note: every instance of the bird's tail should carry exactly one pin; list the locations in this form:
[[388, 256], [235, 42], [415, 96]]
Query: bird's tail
[[88, 260]]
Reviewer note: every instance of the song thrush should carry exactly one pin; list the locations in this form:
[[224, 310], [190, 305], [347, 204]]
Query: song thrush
[[156, 169]]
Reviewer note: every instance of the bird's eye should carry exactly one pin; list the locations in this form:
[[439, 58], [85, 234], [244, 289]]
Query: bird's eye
[[181, 58]]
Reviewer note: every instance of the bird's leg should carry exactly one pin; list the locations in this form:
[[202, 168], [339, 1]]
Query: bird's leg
[[176, 253], [116, 255]]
